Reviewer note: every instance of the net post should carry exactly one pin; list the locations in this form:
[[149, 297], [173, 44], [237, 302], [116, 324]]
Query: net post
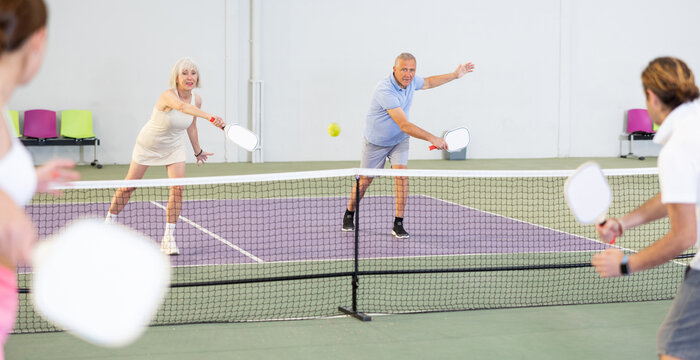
[[355, 279]]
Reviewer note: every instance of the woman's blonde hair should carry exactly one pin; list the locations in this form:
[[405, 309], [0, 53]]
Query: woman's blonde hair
[[671, 80], [182, 64]]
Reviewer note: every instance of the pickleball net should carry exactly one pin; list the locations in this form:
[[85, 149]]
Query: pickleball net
[[270, 246]]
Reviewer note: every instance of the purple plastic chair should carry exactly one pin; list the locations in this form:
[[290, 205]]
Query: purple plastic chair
[[639, 120], [639, 127], [40, 124]]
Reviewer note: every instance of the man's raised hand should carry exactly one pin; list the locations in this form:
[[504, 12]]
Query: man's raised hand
[[462, 69]]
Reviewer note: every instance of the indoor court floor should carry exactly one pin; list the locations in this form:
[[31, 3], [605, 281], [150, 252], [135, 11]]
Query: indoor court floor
[[605, 331]]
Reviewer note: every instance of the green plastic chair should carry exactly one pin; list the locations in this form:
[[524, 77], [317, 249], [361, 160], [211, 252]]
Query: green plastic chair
[[76, 124], [14, 115]]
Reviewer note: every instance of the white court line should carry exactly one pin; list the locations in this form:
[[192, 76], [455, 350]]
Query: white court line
[[215, 236], [540, 226], [369, 258], [526, 222], [417, 256]]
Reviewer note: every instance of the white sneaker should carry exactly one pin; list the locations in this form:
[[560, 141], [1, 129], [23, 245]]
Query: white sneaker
[[168, 246]]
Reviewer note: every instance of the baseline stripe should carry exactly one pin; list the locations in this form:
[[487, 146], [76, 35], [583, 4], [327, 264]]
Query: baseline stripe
[[215, 236]]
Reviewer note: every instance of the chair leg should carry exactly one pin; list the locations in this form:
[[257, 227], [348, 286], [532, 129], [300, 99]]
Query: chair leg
[[631, 154], [95, 163]]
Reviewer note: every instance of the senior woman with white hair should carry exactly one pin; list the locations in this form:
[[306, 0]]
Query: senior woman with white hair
[[162, 142]]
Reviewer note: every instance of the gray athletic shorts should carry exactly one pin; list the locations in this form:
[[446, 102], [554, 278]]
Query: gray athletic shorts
[[374, 156], [679, 334]]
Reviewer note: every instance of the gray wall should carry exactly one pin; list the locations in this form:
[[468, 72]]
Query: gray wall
[[553, 77]]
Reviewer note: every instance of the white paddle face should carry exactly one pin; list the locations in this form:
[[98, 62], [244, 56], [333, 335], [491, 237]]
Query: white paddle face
[[102, 282], [457, 139], [588, 194], [241, 136]]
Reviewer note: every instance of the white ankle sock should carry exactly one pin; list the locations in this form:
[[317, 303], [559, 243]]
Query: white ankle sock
[[169, 229], [111, 218]]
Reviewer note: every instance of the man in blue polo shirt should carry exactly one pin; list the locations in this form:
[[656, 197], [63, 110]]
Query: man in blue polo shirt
[[388, 129]]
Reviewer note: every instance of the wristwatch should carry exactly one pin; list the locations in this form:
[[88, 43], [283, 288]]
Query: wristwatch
[[624, 269]]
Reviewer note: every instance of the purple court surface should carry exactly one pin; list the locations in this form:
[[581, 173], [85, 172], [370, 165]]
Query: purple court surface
[[308, 229]]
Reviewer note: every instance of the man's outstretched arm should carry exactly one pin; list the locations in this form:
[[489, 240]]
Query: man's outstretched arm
[[413, 130], [437, 80]]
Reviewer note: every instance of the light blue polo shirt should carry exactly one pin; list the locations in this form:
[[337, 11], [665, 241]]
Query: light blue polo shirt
[[381, 129]]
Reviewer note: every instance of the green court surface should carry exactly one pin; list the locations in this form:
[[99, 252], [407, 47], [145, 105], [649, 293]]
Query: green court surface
[[608, 331], [624, 330]]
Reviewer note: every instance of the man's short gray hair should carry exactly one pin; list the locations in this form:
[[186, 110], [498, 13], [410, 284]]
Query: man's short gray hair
[[405, 56]]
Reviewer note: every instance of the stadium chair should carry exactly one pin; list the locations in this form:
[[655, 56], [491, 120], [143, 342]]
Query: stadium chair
[[40, 124], [76, 124], [76, 130], [14, 115], [639, 127]]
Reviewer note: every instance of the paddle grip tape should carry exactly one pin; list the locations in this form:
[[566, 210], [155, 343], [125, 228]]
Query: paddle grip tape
[[213, 118], [618, 224]]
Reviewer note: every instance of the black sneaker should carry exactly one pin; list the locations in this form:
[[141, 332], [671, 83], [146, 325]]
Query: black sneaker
[[399, 232], [348, 221]]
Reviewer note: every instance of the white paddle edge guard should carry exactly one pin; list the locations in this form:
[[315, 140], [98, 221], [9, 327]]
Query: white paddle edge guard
[[458, 135], [241, 136], [101, 282], [588, 194]]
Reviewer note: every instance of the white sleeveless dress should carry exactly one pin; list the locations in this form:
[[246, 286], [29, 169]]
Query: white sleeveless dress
[[162, 141], [18, 180], [17, 174]]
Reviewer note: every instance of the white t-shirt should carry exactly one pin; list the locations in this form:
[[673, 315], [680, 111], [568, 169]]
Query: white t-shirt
[[17, 174], [679, 160]]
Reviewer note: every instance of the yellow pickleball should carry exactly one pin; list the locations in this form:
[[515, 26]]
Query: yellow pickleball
[[333, 129]]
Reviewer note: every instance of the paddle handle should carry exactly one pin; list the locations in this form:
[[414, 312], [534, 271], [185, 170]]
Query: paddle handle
[[432, 147], [603, 223], [214, 119]]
